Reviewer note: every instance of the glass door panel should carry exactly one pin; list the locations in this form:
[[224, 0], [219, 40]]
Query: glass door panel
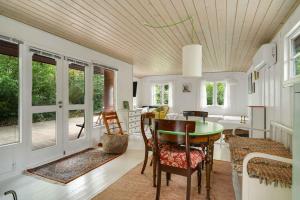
[[98, 94], [76, 124], [43, 83], [44, 106], [43, 130], [9, 93], [76, 84], [76, 107]]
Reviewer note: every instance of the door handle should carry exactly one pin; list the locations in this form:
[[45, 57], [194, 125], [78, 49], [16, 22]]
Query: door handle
[[60, 102], [13, 193]]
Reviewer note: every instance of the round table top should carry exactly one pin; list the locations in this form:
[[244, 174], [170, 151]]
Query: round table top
[[206, 128]]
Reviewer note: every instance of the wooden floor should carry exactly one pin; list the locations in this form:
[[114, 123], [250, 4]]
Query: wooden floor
[[87, 186]]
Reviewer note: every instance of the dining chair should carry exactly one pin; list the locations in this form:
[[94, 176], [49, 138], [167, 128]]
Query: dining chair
[[177, 157], [146, 118], [188, 114]]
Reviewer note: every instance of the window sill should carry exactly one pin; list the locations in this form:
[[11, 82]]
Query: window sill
[[214, 106], [292, 81]]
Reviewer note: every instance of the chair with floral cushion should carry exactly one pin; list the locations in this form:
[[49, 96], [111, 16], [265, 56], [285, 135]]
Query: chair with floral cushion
[[177, 157], [146, 119]]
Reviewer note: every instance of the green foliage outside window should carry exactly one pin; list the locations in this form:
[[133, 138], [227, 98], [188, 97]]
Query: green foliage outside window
[[98, 82], [43, 84], [157, 93], [43, 89], [209, 93], [297, 65], [296, 50], [76, 86], [220, 93], [9, 90], [166, 94], [161, 94]]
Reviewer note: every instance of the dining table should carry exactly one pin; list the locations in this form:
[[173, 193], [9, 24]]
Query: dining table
[[205, 135]]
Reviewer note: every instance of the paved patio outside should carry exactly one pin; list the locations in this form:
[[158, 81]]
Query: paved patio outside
[[43, 133]]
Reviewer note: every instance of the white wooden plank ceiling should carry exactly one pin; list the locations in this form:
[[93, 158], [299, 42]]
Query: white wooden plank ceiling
[[229, 30]]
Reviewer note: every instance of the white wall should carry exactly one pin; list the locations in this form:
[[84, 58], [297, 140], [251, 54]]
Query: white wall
[[191, 101], [271, 93], [278, 99], [16, 161], [138, 90]]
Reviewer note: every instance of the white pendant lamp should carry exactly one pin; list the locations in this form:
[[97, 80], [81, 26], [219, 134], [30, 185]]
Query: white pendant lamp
[[192, 60]]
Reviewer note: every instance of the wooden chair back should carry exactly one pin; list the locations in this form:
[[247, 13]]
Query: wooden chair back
[[188, 114], [147, 118], [185, 127], [112, 123]]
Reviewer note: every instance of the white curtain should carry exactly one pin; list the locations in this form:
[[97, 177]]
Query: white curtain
[[227, 95], [153, 94], [170, 94], [203, 98]]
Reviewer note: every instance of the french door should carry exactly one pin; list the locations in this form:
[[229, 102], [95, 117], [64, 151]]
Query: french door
[[58, 108]]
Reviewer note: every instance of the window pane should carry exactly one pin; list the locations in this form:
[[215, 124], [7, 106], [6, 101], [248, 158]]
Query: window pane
[[157, 94], [9, 97], [98, 82], [43, 84], [43, 130], [220, 93], [297, 65], [209, 93], [98, 95], [76, 121], [296, 45], [166, 94], [76, 84]]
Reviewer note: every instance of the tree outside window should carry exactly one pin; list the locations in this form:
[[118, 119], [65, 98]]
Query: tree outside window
[[215, 93], [160, 94], [209, 93], [296, 54]]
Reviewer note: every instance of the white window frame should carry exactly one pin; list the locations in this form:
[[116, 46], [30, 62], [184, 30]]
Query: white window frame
[[289, 76], [215, 93], [20, 86], [161, 94]]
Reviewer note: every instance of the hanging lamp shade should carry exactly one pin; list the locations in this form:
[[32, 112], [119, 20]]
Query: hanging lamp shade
[[192, 60]]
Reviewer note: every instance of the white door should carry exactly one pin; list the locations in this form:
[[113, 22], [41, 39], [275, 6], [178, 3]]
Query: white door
[[58, 111], [75, 110], [46, 116]]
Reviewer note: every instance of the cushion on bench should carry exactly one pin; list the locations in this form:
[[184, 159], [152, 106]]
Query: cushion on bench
[[269, 171]]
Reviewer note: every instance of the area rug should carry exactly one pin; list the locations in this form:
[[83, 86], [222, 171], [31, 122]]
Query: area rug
[[134, 186], [71, 167]]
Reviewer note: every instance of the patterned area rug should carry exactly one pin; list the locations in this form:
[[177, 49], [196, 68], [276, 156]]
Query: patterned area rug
[[135, 186], [71, 167]]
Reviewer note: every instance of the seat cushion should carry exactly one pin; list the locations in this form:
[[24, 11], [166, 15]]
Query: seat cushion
[[175, 156]]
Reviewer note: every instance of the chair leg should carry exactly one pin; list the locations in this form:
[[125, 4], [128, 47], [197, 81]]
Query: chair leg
[[168, 178], [158, 184], [151, 161], [145, 161], [188, 188], [199, 176], [154, 171]]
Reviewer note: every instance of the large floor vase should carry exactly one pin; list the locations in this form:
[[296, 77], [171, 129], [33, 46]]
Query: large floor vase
[[114, 143]]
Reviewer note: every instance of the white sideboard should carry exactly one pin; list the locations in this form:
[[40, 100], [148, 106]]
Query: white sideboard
[[131, 120]]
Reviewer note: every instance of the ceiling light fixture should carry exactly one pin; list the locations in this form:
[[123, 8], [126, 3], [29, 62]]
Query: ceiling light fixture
[[191, 54]]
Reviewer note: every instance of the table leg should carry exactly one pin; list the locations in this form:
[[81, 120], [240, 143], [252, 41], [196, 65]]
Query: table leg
[[212, 156], [208, 167], [154, 169]]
